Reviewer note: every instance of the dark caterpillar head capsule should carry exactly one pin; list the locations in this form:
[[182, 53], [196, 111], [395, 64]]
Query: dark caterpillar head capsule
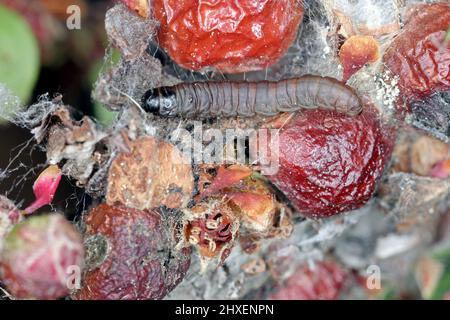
[[161, 101], [150, 101]]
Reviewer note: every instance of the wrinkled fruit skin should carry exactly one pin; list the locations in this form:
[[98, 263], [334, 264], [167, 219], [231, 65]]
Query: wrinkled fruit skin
[[39, 257], [324, 282], [418, 55], [140, 261], [329, 162], [232, 36]]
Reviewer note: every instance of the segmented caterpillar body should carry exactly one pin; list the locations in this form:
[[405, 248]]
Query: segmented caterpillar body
[[199, 100]]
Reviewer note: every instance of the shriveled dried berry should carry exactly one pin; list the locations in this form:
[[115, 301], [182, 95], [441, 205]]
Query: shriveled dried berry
[[232, 36], [323, 282], [419, 55], [40, 256], [140, 261], [330, 163]]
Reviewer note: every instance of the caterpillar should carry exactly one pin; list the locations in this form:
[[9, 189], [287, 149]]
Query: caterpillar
[[200, 100]]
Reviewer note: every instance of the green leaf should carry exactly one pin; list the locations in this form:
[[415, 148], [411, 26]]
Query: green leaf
[[19, 54]]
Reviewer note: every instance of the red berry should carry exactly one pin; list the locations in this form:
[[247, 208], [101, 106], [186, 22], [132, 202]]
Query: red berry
[[39, 257], [419, 54], [329, 162], [232, 36], [323, 282], [132, 256]]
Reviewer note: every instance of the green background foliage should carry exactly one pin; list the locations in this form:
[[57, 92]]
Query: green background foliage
[[19, 54]]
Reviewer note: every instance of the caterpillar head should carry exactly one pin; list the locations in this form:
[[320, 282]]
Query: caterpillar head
[[160, 101]]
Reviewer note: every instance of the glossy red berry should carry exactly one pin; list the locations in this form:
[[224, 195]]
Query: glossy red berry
[[232, 36]]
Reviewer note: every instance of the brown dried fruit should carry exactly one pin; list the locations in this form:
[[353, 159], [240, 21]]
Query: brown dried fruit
[[356, 52], [152, 174], [137, 257]]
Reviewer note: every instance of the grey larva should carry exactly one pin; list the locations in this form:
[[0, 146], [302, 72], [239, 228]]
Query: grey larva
[[199, 100]]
